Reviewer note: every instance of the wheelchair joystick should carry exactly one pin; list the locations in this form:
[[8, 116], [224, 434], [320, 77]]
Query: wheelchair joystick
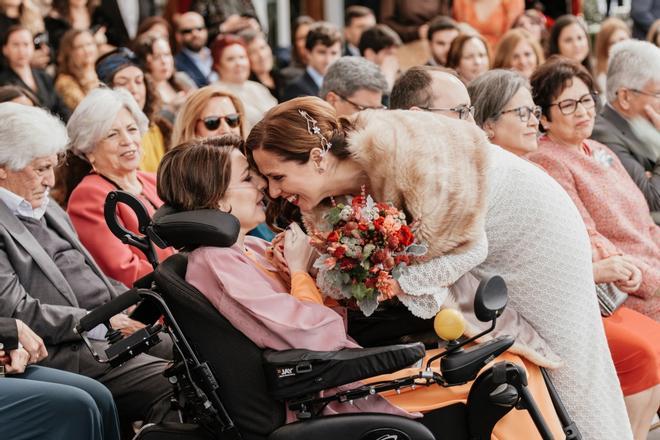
[[449, 326]]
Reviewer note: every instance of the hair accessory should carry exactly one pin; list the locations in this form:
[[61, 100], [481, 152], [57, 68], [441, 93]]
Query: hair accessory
[[314, 130]]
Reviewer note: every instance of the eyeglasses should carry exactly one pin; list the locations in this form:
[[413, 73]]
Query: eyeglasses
[[524, 112], [642, 92], [187, 31], [362, 107], [464, 111], [569, 106], [40, 40], [211, 123]]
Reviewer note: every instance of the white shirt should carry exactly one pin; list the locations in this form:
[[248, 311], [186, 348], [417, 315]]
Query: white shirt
[[130, 14], [19, 206]]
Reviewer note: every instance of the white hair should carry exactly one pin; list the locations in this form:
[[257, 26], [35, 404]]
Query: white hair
[[27, 133], [95, 114], [632, 64]]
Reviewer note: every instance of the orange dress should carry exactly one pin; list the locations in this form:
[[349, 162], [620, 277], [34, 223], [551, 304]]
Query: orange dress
[[494, 26]]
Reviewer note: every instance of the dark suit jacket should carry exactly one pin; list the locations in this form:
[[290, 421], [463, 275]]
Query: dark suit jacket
[[614, 131], [107, 14], [8, 334], [48, 98], [184, 63], [304, 85], [52, 308]]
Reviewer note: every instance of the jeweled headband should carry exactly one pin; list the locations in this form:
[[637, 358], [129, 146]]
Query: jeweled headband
[[314, 130]]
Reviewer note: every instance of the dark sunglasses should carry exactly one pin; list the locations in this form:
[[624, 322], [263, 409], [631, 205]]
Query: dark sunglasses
[[233, 120], [187, 31]]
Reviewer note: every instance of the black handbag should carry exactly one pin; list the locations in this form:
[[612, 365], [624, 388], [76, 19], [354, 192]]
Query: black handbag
[[610, 298]]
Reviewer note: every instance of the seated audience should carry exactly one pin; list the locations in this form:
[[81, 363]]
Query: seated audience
[[442, 31], [569, 38], [18, 49], [242, 283], [611, 32], [262, 63], [323, 47], [194, 58], [40, 402], [231, 61], [106, 131], [66, 15], [20, 12], [519, 51], [612, 206], [380, 45], [357, 19], [299, 55], [469, 56], [654, 33], [49, 280], [536, 238], [506, 112], [76, 75], [629, 123], [533, 22], [492, 18], [120, 69], [208, 112], [172, 87], [353, 84]]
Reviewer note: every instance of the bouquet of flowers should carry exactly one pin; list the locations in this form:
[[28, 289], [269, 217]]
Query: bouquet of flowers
[[369, 245]]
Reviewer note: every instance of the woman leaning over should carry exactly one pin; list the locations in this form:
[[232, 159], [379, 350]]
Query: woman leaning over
[[104, 155], [76, 76], [612, 206], [504, 109]]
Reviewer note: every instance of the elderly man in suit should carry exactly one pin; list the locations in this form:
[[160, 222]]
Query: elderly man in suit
[[629, 124], [47, 278]]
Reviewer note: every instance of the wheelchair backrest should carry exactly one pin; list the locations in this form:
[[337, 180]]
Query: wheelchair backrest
[[236, 362]]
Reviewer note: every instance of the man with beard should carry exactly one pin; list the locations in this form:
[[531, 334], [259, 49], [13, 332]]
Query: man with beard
[[194, 58]]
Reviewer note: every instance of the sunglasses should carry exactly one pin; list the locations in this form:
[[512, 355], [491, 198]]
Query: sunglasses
[[187, 31], [211, 123]]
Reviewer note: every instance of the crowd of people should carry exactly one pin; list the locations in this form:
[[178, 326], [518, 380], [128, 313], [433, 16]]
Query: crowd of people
[[516, 149]]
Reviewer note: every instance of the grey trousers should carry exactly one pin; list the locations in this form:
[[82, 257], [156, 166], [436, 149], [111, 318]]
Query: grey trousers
[[44, 403]]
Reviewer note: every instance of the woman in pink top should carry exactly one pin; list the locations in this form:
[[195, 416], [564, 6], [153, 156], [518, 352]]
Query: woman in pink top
[[491, 18]]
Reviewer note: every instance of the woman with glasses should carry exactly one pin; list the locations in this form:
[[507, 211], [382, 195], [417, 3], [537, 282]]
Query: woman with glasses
[[507, 113], [230, 60], [613, 207]]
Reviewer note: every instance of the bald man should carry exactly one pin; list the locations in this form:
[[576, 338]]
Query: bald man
[[194, 58]]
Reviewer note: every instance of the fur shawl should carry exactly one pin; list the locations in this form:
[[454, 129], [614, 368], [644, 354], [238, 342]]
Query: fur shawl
[[431, 166]]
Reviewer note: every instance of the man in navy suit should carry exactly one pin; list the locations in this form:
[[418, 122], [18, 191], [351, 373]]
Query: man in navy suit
[[323, 45], [194, 58]]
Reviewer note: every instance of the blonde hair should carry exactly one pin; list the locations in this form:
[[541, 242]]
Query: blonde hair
[[186, 120], [508, 43], [602, 46]]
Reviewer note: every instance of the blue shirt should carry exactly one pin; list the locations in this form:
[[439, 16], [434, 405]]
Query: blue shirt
[[203, 61], [316, 76]]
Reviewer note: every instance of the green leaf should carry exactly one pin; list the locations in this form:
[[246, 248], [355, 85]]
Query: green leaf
[[361, 292]]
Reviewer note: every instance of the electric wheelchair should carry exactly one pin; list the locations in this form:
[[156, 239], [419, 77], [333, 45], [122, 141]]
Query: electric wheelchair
[[225, 387]]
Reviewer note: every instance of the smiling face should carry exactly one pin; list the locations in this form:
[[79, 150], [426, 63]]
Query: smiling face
[[244, 195], [300, 184], [32, 182], [510, 132], [217, 107], [574, 128], [573, 43], [523, 59], [234, 66], [474, 60], [119, 151]]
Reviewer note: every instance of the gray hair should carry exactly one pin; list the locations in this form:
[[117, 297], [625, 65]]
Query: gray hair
[[492, 91], [632, 64], [94, 117], [349, 74], [27, 133]]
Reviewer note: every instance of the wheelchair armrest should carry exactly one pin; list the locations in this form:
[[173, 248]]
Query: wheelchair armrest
[[295, 373]]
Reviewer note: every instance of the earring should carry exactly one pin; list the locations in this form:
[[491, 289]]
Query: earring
[[321, 170], [490, 135]]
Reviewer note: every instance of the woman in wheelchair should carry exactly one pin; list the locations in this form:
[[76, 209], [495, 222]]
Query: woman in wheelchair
[[279, 311]]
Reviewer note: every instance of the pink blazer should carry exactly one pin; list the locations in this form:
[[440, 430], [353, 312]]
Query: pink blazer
[[117, 260]]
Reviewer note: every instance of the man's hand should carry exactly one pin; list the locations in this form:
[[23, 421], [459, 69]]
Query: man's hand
[[18, 360], [126, 325], [31, 342]]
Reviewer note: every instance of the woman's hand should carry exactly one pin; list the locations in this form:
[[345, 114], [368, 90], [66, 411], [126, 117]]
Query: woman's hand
[[620, 270], [297, 249], [275, 253], [631, 284]]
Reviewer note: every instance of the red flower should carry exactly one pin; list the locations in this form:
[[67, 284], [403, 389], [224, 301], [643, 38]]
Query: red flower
[[363, 227], [406, 237], [358, 201], [333, 237], [346, 264], [339, 252], [378, 223]]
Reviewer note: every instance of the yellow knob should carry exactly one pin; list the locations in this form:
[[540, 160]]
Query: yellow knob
[[449, 324]]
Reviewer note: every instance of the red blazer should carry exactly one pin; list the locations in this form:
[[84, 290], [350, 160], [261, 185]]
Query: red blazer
[[120, 261]]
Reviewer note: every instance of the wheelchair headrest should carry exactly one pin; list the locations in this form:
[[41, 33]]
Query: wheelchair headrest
[[191, 229]]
